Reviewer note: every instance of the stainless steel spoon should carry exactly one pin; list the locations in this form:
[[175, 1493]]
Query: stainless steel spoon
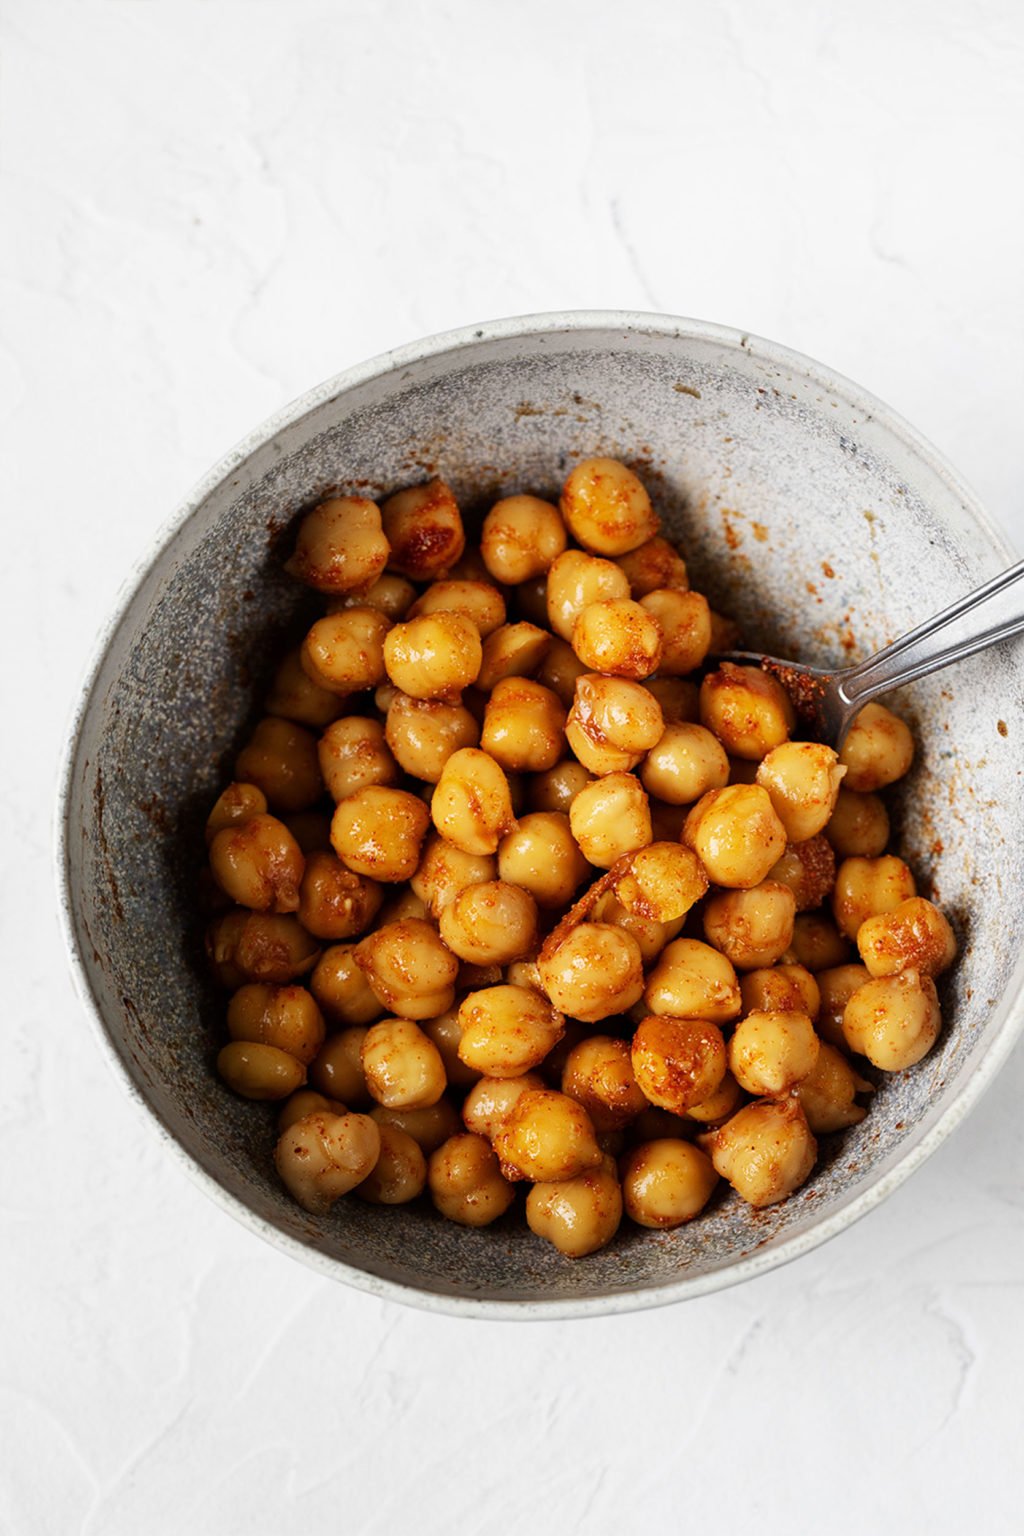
[[828, 701]]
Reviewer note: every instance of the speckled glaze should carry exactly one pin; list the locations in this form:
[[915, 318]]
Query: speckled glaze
[[804, 507]]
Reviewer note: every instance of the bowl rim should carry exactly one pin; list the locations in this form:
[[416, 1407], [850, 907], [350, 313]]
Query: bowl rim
[[468, 338]]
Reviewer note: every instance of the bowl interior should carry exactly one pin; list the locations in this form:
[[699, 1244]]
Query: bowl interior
[[823, 529]]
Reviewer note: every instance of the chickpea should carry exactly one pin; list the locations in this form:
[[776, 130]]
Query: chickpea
[[836, 987], [878, 750], [753, 928], [893, 1020], [748, 710], [403, 1066], [663, 882], [685, 622], [390, 595], [555, 789], [736, 835], [524, 725], [222, 938], [378, 832], [619, 638], [770, 1052], [514, 650], [693, 981], [546, 1136], [817, 943], [258, 864], [913, 934], [610, 818], [429, 1128], [766, 1151], [598, 1074], [827, 1093], [666, 1182], [560, 669], [384, 696], [579, 1215], [340, 546], [650, 935], [596, 971], [400, 1172], [445, 870], [654, 567], [576, 580], [280, 759], [404, 904], [237, 804], [334, 903], [868, 888], [686, 763], [489, 1102], [258, 1071], [491, 923], [679, 698], [808, 870], [294, 696], [725, 634], [725, 1101], [478, 601], [345, 651], [531, 600], [541, 856], [306, 1102], [433, 657], [612, 723], [409, 969], [338, 1068], [470, 566], [859, 826], [466, 1183], [507, 1030], [606, 508], [310, 829], [423, 733], [285, 1017], [354, 754], [446, 1032], [322, 1157], [523, 973], [802, 778], [678, 1062], [472, 804], [259, 946], [341, 989], [780, 989], [424, 530], [522, 537]]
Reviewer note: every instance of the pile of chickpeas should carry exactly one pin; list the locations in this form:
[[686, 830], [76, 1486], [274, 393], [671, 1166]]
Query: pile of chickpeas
[[511, 888]]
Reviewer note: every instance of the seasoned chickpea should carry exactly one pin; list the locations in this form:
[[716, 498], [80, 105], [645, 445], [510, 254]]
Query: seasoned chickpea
[[390, 595], [522, 537], [828, 1092], [685, 622], [725, 1101], [560, 669], [736, 835], [221, 943], [507, 1030], [445, 870], [619, 638], [353, 755], [491, 923], [893, 1020], [400, 1172], [379, 832], [258, 1071], [238, 804], [802, 779], [598, 1074], [446, 1032], [579, 1215], [489, 1102], [345, 651], [678, 1062], [913, 934], [612, 723], [878, 750], [340, 546], [423, 733], [606, 508], [258, 864], [610, 818], [867, 888], [748, 710], [404, 904], [693, 981], [424, 529], [322, 1157], [403, 1066], [335, 903], [753, 928], [836, 987], [305, 1101], [809, 871], [594, 972], [859, 826], [781, 989], [294, 696], [766, 1151], [650, 935], [542, 856], [556, 789], [546, 1136], [666, 1182], [478, 601], [338, 1068], [280, 759], [524, 725], [472, 803], [433, 657], [341, 989], [466, 1183], [523, 973], [576, 580], [725, 634], [408, 969], [685, 764], [429, 1127], [514, 650], [817, 943], [653, 567], [259, 946], [770, 1053], [664, 881], [285, 1017], [470, 566]]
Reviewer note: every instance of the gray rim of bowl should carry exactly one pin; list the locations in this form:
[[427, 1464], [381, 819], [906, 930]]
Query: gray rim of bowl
[[1009, 1019]]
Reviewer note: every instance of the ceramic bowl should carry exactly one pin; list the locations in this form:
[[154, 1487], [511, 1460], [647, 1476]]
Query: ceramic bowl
[[805, 508]]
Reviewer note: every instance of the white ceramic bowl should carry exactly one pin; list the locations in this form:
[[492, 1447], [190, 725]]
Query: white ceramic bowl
[[806, 508]]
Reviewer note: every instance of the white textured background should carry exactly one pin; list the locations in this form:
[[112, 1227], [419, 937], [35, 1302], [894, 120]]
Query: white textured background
[[205, 208]]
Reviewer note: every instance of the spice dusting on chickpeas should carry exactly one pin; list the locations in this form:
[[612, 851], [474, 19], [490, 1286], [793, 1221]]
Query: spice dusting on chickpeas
[[513, 887]]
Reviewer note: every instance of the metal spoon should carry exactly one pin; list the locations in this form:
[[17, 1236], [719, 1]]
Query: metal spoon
[[828, 701]]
